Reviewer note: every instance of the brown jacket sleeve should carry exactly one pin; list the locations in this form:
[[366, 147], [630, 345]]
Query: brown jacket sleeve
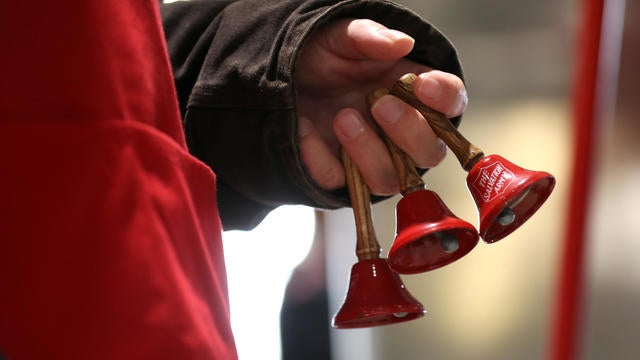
[[234, 62]]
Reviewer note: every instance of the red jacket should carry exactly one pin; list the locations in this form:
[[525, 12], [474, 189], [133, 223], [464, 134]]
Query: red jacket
[[110, 237]]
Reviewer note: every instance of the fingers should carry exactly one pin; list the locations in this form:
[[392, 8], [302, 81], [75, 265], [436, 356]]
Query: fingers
[[364, 146], [441, 91], [409, 130], [334, 73], [403, 125], [367, 151], [360, 39], [321, 163]]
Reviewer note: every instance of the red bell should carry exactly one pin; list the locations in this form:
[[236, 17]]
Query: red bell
[[376, 296], [506, 195], [429, 235]]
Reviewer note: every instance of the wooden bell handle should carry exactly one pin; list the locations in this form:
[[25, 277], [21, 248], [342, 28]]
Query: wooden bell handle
[[467, 153], [367, 246], [408, 176]]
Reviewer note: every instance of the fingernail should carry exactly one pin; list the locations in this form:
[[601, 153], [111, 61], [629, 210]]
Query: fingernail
[[387, 109], [429, 87], [393, 34], [462, 102], [350, 125], [375, 95]]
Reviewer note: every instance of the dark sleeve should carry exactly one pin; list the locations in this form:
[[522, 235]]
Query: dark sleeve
[[234, 63]]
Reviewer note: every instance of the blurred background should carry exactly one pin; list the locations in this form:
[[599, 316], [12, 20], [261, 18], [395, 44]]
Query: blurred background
[[498, 302]]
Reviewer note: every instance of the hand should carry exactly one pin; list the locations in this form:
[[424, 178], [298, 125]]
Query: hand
[[336, 69]]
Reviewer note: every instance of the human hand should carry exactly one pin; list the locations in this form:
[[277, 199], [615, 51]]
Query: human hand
[[339, 65]]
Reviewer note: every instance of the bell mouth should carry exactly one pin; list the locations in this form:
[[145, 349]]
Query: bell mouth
[[376, 296], [517, 208], [506, 195], [429, 235], [420, 249], [377, 317]]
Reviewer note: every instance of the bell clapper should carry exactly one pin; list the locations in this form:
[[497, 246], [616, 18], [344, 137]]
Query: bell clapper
[[507, 216], [448, 242]]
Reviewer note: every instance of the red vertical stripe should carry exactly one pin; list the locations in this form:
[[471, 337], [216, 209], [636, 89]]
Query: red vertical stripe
[[567, 319]]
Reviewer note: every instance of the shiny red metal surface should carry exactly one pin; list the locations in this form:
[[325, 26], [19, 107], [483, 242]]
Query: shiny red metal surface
[[506, 195], [429, 235], [376, 296]]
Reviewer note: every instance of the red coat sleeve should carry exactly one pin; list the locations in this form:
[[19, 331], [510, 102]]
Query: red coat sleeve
[[109, 233]]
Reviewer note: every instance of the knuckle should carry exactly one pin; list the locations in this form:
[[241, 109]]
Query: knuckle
[[328, 178]]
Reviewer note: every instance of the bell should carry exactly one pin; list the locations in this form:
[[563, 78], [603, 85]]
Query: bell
[[376, 296], [429, 235], [506, 195]]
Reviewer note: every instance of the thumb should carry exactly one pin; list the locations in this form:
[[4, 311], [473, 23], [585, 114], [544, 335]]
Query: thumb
[[363, 39]]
